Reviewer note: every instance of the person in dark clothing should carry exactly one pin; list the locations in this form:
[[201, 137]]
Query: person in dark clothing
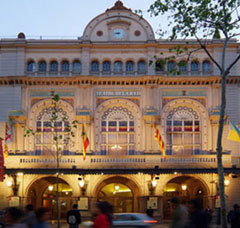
[[30, 218], [74, 217], [198, 218], [233, 216], [150, 212]]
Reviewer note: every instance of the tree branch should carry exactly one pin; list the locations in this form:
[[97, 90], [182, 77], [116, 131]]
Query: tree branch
[[233, 63]]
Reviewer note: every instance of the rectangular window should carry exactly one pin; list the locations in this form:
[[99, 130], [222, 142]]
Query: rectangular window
[[112, 139], [47, 126], [131, 126], [122, 139], [196, 127], [112, 126], [169, 126], [58, 126], [123, 126], [177, 125], [104, 124], [177, 139], [188, 138], [39, 126], [188, 125]]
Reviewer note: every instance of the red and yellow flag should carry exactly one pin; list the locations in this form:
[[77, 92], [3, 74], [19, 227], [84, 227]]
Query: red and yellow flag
[[8, 137], [159, 138], [85, 142], [1, 161]]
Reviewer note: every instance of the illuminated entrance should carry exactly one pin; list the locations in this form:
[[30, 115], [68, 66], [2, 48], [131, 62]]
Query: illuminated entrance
[[185, 188], [42, 193], [119, 195]]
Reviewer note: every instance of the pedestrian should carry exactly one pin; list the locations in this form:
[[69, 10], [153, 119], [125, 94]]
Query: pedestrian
[[74, 217], [233, 216], [150, 212], [180, 214], [12, 218], [29, 218], [42, 214], [198, 218], [208, 211], [103, 218]]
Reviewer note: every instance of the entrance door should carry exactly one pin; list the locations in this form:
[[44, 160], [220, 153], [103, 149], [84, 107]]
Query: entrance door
[[119, 195]]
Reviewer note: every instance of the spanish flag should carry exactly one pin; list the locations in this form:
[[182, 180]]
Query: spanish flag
[[85, 141], [159, 138], [234, 133], [8, 137]]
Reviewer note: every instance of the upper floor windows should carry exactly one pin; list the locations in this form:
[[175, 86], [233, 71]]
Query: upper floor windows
[[54, 67], [171, 66], [142, 68], [183, 66], [194, 67], [65, 67], [76, 67], [159, 65], [31, 66], [206, 66], [118, 67], [42, 67], [106, 67], [95, 67], [129, 67]]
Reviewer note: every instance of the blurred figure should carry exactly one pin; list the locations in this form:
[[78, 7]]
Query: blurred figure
[[74, 217], [180, 214], [42, 214], [198, 218], [12, 218], [103, 217], [30, 217], [209, 212], [150, 212], [234, 216]]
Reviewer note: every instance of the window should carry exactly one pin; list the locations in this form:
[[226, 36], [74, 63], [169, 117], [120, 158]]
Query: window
[[95, 67], [53, 67], [129, 67], [159, 65], [106, 67], [206, 66], [65, 67], [171, 66], [31, 67], [46, 130], [76, 67], [183, 131], [194, 67], [141, 67], [117, 67], [183, 67], [117, 131], [42, 67]]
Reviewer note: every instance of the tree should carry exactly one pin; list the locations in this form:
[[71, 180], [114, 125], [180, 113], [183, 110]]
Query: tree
[[57, 116], [202, 20]]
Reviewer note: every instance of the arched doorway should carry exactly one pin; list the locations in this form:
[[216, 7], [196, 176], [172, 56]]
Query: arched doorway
[[121, 192], [184, 188], [42, 193]]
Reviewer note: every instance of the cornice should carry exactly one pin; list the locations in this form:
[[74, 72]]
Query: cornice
[[116, 81]]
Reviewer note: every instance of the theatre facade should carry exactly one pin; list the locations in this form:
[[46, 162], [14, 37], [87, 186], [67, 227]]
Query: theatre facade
[[105, 82]]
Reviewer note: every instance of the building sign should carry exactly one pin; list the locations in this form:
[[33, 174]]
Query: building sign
[[118, 93], [47, 160]]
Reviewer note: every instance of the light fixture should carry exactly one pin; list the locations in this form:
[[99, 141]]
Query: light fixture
[[20, 174], [226, 182], [154, 183], [9, 183], [175, 173], [50, 188], [117, 187], [184, 187], [81, 183], [116, 147]]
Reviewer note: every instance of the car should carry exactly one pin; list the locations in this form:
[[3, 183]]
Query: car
[[133, 220]]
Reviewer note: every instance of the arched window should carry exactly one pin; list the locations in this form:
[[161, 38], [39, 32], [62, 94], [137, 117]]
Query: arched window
[[194, 67], [142, 67], [183, 131], [46, 130], [183, 67], [42, 67], [106, 67], [65, 67], [76, 67], [206, 66], [159, 66], [117, 131], [95, 67], [117, 68], [31, 66], [54, 67], [129, 67], [171, 66]]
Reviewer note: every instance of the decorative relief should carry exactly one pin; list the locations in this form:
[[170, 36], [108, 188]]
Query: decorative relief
[[99, 101], [117, 113], [167, 100]]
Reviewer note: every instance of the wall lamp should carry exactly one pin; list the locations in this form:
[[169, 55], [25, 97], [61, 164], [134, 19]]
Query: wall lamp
[[82, 184]]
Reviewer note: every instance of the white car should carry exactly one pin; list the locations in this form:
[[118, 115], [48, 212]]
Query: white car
[[129, 220]]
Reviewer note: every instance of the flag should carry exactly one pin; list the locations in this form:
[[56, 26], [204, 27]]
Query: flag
[[85, 142], [234, 133], [159, 138], [1, 161], [8, 137]]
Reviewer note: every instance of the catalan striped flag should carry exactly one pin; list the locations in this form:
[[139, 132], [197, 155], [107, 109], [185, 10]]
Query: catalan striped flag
[[234, 133], [8, 137], [85, 142], [159, 138], [1, 161]]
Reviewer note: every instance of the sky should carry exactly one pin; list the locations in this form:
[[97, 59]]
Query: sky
[[59, 18]]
